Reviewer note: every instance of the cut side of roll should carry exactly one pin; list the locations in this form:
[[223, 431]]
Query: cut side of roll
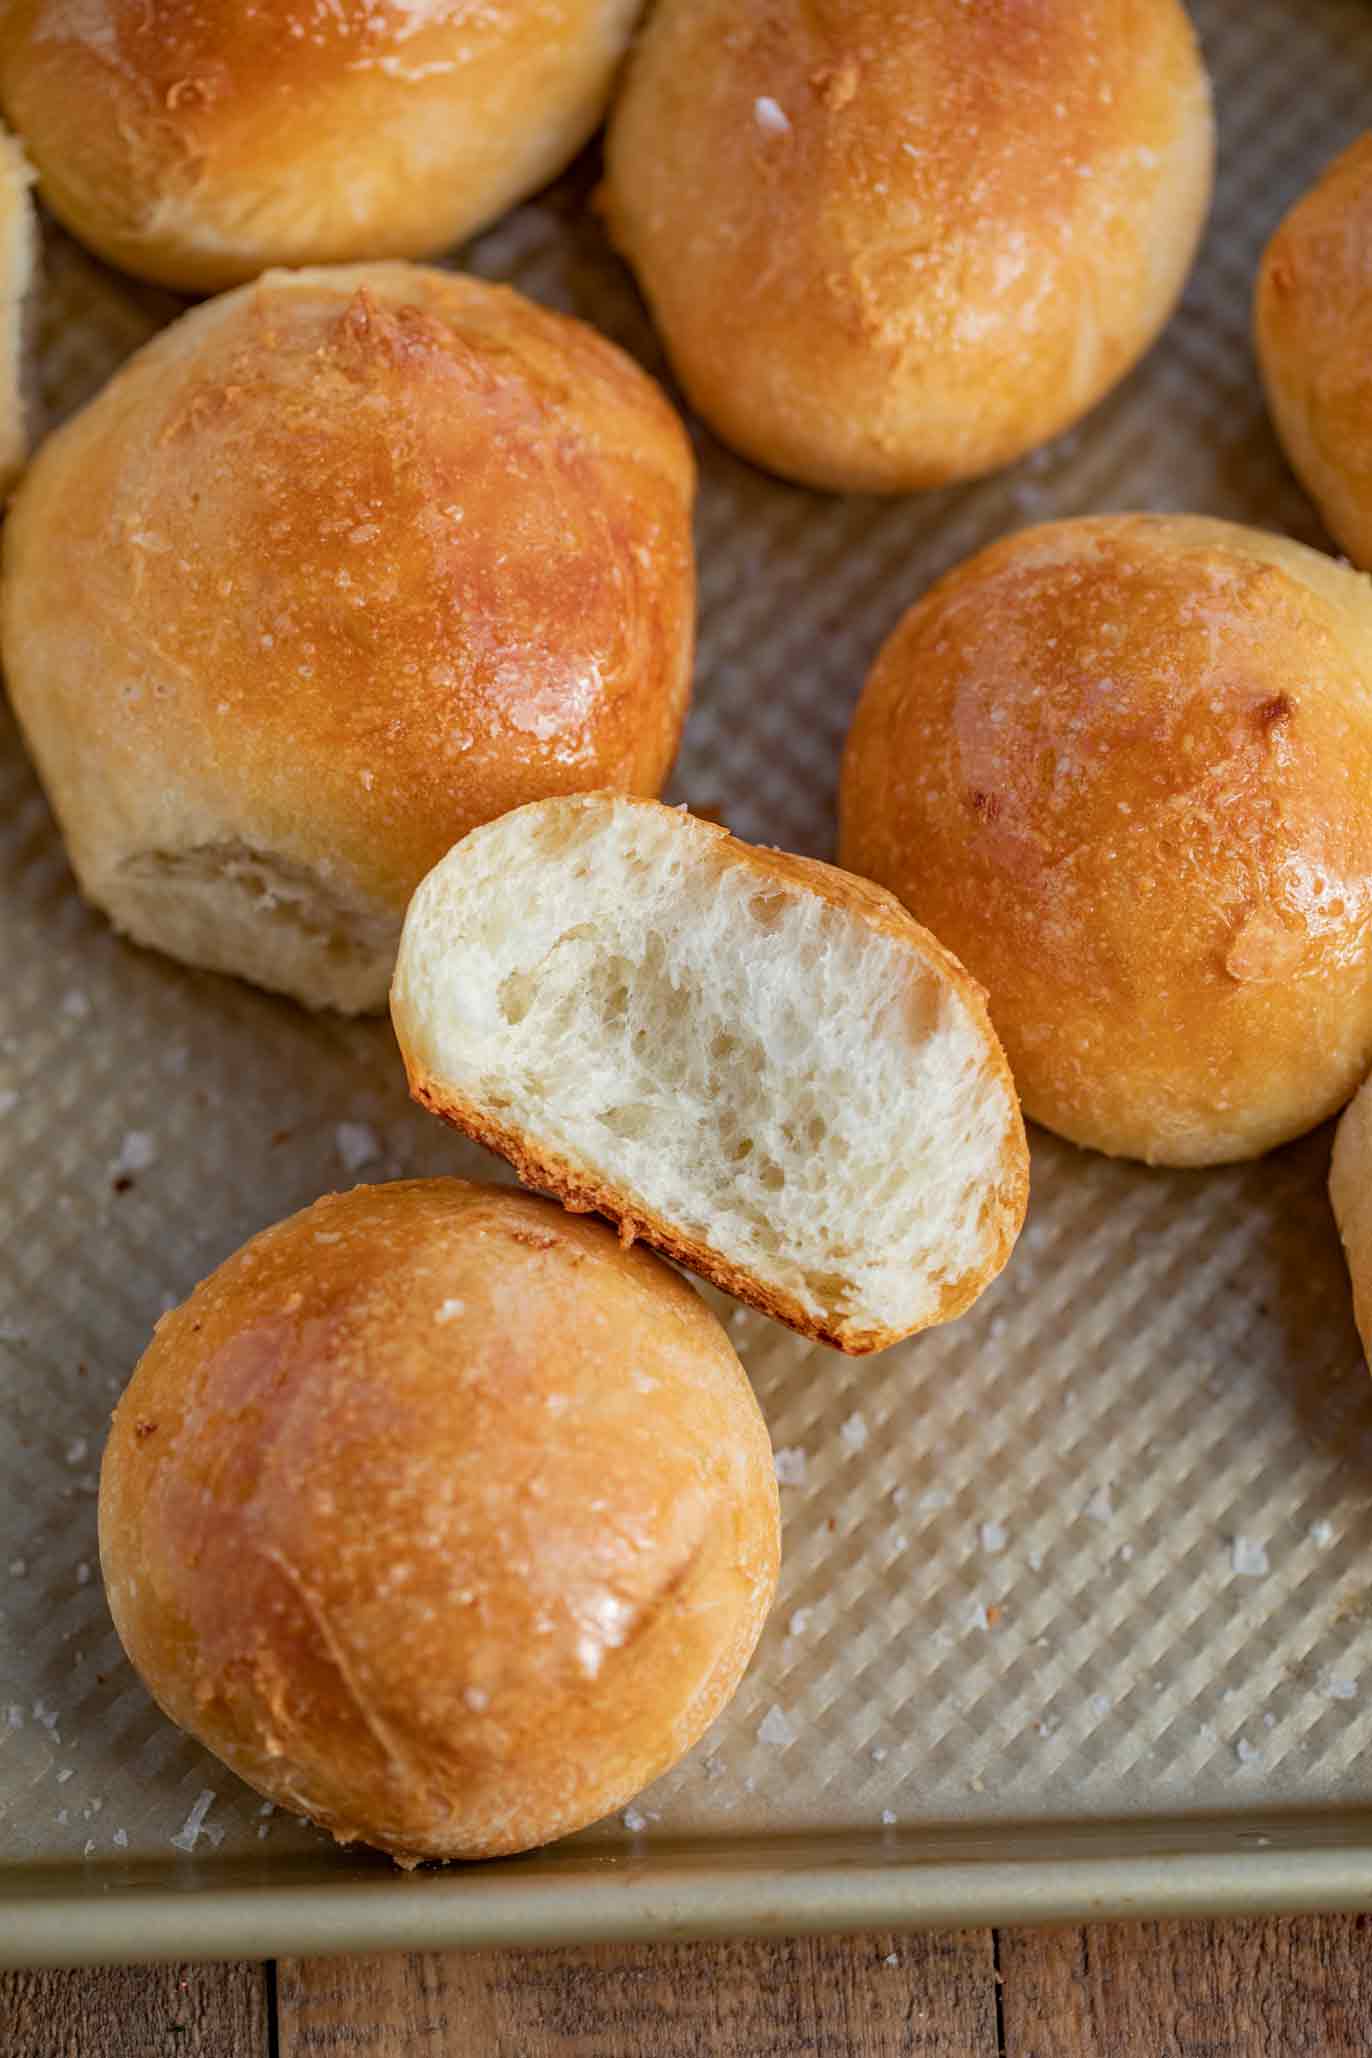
[[759, 1064]]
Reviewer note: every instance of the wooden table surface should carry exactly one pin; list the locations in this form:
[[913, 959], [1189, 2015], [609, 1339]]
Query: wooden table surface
[[1144, 1990]]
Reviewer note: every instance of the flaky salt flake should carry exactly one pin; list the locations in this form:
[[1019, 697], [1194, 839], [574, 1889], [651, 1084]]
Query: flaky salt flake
[[121, 1837], [1342, 1689], [1322, 1534], [789, 1466], [878, 1754], [994, 1536], [1249, 1558], [1244, 1751], [891, 1958], [776, 1727], [188, 1835], [853, 1434], [136, 1153], [799, 1622], [888, 1818], [357, 1143], [1100, 1507], [67, 1772], [635, 1820], [89, 1848], [771, 116], [448, 1311]]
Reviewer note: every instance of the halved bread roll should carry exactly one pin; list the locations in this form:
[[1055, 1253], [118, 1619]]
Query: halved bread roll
[[757, 1063]]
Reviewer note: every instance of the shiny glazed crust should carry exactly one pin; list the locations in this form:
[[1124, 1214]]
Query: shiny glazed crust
[[1123, 766], [197, 144], [1313, 331], [895, 246], [337, 567], [440, 1518]]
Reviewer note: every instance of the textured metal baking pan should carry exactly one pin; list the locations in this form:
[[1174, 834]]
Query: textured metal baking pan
[[1074, 1618]]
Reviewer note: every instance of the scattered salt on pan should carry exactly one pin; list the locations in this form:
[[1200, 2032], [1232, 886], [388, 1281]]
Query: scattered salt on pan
[[994, 1536], [1269, 1720], [1048, 1726], [83, 1575], [1100, 1705], [888, 1816], [44, 1714], [1036, 1561], [264, 1829], [1100, 1507], [853, 1434], [14, 1716], [789, 1466], [67, 1772], [1244, 1751], [448, 1311], [1322, 1534], [932, 1499], [1342, 1689], [878, 1754], [891, 1958], [267, 1808], [776, 1727], [18, 1567], [121, 1837], [356, 1143], [769, 115], [799, 1622], [77, 1451], [63, 1817], [978, 1617], [90, 1846], [1249, 1558], [136, 1153], [635, 1820], [1127, 1553], [188, 1835]]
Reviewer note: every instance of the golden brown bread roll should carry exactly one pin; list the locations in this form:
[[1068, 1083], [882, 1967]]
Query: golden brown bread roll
[[18, 266], [1123, 767], [752, 1060], [197, 145], [1350, 1192], [338, 566], [890, 246], [440, 1518], [1313, 331]]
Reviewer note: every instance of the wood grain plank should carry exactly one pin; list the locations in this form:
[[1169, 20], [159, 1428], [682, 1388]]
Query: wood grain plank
[[136, 2011], [1261, 1989], [873, 1996]]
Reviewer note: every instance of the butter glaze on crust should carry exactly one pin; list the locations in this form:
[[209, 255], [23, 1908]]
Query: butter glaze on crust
[[440, 1518], [1123, 765], [338, 566], [894, 246], [198, 142]]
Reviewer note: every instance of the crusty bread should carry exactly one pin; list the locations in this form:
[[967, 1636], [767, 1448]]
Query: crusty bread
[[198, 145], [1123, 767], [1350, 1191], [891, 246], [440, 1518], [18, 266], [338, 566], [1312, 323], [760, 1065]]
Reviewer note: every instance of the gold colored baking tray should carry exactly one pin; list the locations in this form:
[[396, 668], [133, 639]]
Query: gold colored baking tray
[[1074, 1617]]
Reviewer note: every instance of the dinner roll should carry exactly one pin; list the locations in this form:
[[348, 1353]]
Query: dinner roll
[[1123, 766], [1350, 1191], [338, 566], [759, 1065], [18, 269], [1313, 330], [892, 246], [440, 1518], [197, 145]]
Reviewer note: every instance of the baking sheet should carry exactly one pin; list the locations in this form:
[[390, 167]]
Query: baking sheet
[[1073, 1613]]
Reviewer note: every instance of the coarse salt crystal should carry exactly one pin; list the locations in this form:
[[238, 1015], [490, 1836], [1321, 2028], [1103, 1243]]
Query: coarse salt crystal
[[1322, 1534], [853, 1434], [770, 115], [136, 1153], [267, 1808], [994, 1536], [1100, 1507], [635, 1820], [356, 1143], [1244, 1751], [888, 1816], [121, 1837], [878, 1754], [83, 1575], [448, 1311], [1249, 1558], [977, 1617], [789, 1466], [67, 1772], [776, 1727], [1100, 1705], [188, 1835], [891, 1958], [799, 1622]]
